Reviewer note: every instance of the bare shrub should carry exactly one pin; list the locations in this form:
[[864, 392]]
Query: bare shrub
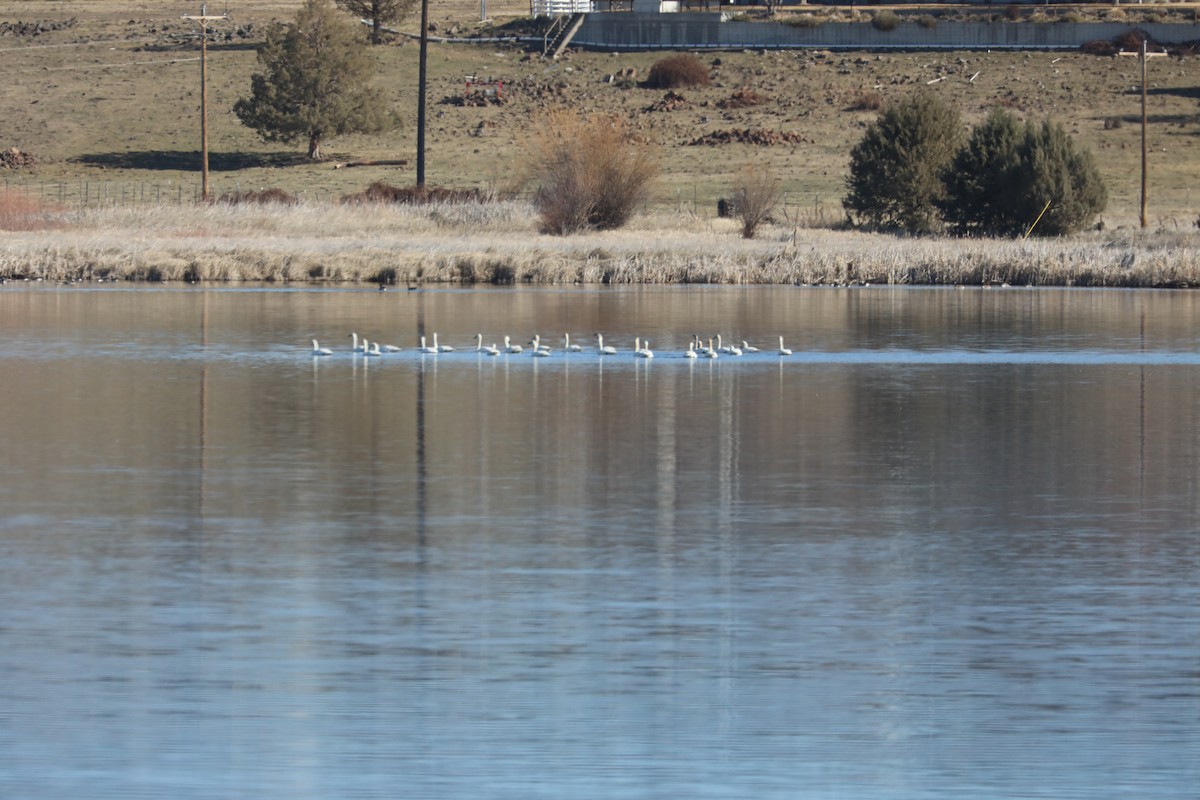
[[927, 21], [1013, 12], [677, 71], [885, 20], [757, 192], [589, 172], [866, 101], [21, 212]]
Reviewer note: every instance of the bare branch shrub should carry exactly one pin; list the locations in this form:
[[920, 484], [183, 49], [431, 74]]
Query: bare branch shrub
[[757, 192], [677, 71], [590, 173], [21, 212]]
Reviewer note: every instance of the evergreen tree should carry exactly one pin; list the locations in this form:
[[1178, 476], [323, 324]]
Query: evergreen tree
[[314, 82], [983, 182], [1066, 176], [895, 180], [378, 13], [1006, 174]]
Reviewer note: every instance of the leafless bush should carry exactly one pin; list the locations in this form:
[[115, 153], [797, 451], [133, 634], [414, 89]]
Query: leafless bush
[[757, 192], [22, 212], [589, 173], [677, 71], [866, 101]]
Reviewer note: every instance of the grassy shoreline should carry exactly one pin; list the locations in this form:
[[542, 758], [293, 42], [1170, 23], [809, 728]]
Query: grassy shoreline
[[498, 243]]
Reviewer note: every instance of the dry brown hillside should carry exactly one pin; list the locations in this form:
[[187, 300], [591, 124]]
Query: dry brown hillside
[[104, 96]]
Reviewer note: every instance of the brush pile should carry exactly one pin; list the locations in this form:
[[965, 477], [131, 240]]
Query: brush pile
[[12, 158], [671, 101], [744, 97], [754, 136], [27, 29]]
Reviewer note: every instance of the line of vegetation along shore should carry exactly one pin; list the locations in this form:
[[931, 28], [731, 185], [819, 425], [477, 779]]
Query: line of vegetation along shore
[[497, 242]]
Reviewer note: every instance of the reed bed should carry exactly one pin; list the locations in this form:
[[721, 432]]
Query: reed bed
[[498, 242]]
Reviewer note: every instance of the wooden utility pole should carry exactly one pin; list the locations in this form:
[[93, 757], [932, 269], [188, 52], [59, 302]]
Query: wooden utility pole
[[203, 19], [1143, 55], [421, 94]]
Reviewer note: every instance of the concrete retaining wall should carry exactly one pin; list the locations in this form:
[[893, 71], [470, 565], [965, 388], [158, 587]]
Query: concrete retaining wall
[[698, 31]]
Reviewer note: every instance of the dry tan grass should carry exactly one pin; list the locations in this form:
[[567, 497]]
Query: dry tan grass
[[498, 242]]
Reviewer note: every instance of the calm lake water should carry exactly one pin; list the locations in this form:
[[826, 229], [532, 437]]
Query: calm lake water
[[950, 548]]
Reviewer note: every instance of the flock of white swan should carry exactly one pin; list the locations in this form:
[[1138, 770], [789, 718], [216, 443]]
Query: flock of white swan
[[713, 348]]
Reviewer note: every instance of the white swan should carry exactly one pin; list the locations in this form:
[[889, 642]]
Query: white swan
[[604, 351], [691, 351], [510, 347], [320, 351], [783, 351], [354, 346], [749, 348], [539, 349], [424, 349], [574, 348], [443, 348], [370, 349], [710, 352], [490, 350], [389, 348], [642, 352]]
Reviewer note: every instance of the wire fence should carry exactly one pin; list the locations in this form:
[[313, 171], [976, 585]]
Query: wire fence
[[106, 194], [807, 209]]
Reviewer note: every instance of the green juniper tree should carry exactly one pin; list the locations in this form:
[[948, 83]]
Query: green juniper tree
[[1007, 173], [895, 180], [314, 83]]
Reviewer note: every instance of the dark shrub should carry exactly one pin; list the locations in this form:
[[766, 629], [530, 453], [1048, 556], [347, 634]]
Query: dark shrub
[[674, 72], [885, 20], [866, 101]]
